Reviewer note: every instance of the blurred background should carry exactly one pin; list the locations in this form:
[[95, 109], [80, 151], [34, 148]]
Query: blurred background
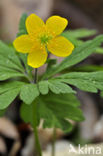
[[15, 136]]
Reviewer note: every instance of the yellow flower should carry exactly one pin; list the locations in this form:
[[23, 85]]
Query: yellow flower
[[42, 37]]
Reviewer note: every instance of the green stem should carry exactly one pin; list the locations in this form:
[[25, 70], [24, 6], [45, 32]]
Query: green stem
[[36, 75], [37, 143], [53, 142]]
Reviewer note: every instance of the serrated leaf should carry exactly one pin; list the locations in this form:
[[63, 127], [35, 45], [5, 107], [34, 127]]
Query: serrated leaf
[[79, 54], [90, 82], [29, 93]]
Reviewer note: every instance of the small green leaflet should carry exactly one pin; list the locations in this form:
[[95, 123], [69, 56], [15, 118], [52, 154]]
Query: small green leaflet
[[59, 87], [43, 87], [55, 86], [9, 73], [8, 93], [79, 54], [55, 110], [86, 68], [29, 92], [22, 27], [91, 81], [79, 33]]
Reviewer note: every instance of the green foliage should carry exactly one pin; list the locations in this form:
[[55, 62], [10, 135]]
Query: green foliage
[[79, 33], [27, 113], [22, 27], [85, 68], [99, 50], [8, 92], [75, 35], [28, 93], [56, 102], [55, 86], [90, 82], [54, 110], [79, 54], [43, 87], [10, 65]]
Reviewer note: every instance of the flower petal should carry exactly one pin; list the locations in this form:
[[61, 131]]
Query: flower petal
[[56, 24], [60, 46], [37, 58], [33, 23], [23, 44]]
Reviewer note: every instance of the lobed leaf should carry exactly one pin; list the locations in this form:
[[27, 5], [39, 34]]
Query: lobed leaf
[[29, 93], [8, 92], [55, 86], [54, 110], [90, 82]]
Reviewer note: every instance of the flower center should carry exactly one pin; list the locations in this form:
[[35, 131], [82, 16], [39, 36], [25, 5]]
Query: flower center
[[44, 39]]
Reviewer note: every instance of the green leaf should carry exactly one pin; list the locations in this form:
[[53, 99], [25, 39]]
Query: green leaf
[[22, 27], [10, 65], [29, 93], [79, 33], [7, 98], [59, 87], [75, 35], [8, 58], [99, 50], [90, 82], [4, 87], [79, 54], [43, 87], [85, 68], [54, 109], [28, 69], [55, 86], [8, 92], [27, 113], [9, 73]]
